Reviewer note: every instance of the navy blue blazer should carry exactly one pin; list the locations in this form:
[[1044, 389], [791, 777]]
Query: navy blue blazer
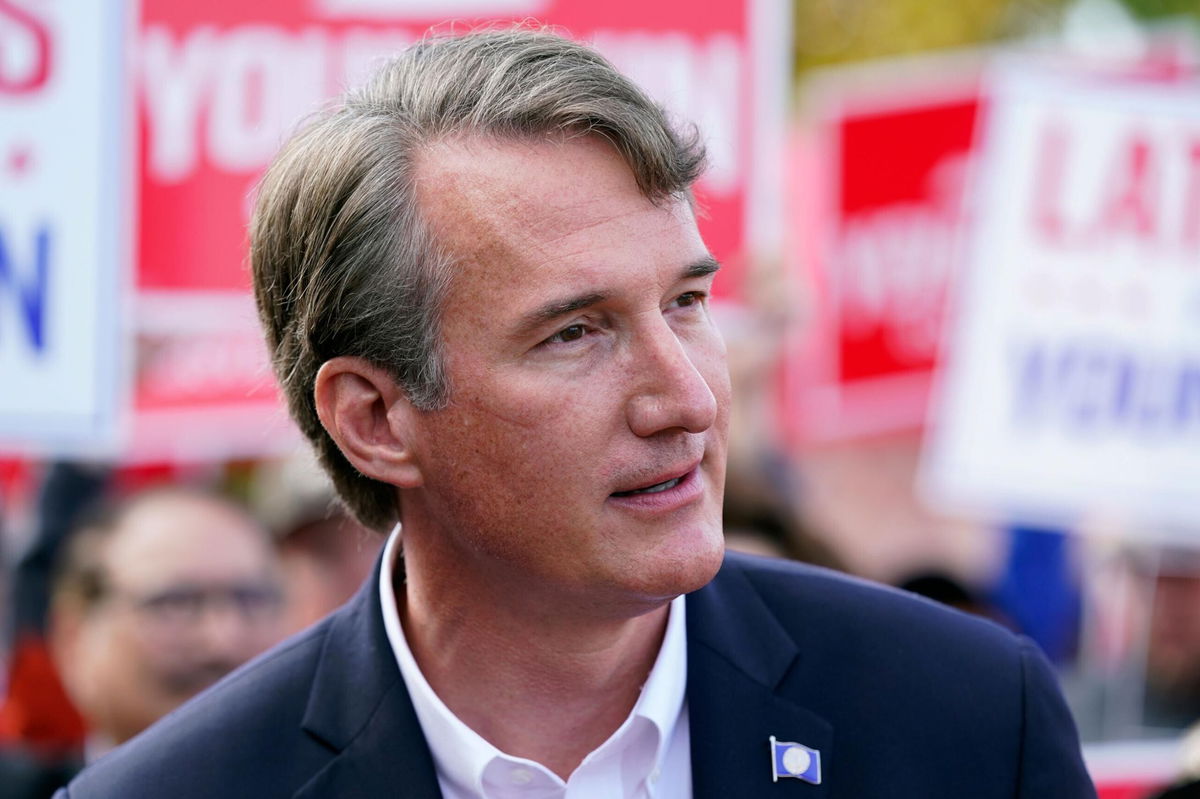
[[902, 698]]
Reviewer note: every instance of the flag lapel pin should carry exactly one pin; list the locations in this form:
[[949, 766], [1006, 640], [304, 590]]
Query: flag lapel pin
[[797, 761]]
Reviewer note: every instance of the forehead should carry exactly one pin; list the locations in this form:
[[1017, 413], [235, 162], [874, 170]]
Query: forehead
[[559, 208], [172, 539], [488, 183]]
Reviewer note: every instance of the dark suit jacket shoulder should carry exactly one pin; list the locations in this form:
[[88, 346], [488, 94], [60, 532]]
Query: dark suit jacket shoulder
[[324, 714], [901, 697]]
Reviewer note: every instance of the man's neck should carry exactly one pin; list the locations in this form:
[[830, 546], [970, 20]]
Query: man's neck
[[533, 678]]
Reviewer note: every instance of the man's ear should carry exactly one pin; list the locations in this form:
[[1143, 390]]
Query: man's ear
[[370, 418]]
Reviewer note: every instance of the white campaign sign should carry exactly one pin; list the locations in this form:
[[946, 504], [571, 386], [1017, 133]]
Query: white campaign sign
[[1072, 383], [64, 216]]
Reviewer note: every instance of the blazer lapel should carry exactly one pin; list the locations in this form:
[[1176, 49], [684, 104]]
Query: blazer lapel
[[738, 659], [360, 708]]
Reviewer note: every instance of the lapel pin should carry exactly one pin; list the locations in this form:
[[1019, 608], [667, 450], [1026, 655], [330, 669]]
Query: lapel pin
[[797, 761]]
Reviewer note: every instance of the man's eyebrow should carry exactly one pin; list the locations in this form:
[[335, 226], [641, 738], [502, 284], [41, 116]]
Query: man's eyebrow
[[701, 268], [554, 309]]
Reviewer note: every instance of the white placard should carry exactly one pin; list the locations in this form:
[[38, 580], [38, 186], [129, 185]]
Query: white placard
[[1071, 384], [64, 221]]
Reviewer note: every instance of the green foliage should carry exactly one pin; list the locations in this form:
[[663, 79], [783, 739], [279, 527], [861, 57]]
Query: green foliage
[[1163, 9], [837, 31]]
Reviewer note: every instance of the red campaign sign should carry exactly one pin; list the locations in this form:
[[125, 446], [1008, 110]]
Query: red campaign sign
[[221, 81], [900, 180], [889, 165], [221, 84], [887, 158]]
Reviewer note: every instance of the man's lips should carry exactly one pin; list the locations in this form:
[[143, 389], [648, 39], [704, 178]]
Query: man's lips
[[663, 481], [653, 489], [665, 493]]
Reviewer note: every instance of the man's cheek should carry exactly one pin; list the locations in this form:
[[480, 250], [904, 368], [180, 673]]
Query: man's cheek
[[493, 405], [516, 416]]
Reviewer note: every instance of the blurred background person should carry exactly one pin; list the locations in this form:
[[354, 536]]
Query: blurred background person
[[35, 714], [1187, 786], [324, 553], [1141, 676], [943, 587], [156, 598], [775, 530], [1173, 648]]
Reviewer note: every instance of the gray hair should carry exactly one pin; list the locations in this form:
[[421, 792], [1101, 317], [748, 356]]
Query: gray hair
[[344, 264]]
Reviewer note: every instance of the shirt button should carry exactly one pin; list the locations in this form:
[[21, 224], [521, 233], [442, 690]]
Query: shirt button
[[521, 776]]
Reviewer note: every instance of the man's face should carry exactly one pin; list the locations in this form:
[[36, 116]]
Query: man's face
[[582, 456], [192, 592]]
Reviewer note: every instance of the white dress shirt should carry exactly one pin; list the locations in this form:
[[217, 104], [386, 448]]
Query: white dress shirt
[[648, 757]]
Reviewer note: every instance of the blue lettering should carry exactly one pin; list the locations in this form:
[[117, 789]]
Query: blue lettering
[[1125, 400], [1153, 414], [1094, 388], [1033, 384], [1187, 397], [1087, 376], [31, 296]]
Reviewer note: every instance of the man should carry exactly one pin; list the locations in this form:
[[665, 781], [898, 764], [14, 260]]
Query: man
[[156, 599], [486, 299]]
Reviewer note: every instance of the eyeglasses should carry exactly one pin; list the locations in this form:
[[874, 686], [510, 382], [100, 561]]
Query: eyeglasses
[[184, 605]]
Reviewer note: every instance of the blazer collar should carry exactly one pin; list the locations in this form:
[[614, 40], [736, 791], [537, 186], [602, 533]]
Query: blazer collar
[[739, 657], [359, 707]]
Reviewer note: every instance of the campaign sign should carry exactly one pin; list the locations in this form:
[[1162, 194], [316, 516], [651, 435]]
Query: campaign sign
[[1072, 380], [63, 217], [222, 84], [890, 147]]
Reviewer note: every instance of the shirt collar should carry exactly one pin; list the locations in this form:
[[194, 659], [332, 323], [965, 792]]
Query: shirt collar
[[461, 755]]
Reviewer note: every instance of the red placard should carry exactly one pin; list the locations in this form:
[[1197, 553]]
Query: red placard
[[899, 205], [887, 158], [884, 164], [220, 85]]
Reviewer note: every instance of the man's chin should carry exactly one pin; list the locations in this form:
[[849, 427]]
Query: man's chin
[[705, 568], [694, 565]]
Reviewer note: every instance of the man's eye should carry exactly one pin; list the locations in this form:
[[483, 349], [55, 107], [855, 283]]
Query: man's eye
[[689, 298], [571, 333]]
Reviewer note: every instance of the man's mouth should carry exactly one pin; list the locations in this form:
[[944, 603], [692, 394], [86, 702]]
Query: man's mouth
[[654, 489]]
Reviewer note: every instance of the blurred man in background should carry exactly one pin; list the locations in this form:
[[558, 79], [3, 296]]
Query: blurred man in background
[[324, 554], [1172, 693], [155, 600]]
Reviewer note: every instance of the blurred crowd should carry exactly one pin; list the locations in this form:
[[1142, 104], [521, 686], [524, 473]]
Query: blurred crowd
[[132, 593]]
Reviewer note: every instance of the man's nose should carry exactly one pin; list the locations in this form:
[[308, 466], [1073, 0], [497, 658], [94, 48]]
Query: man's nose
[[670, 392]]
